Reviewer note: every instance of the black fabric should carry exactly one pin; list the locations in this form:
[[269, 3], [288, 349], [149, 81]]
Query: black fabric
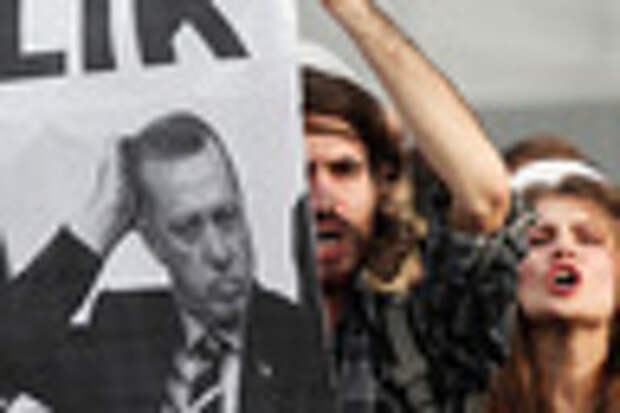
[[35, 307], [433, 347], [461, 310], [120, 361]]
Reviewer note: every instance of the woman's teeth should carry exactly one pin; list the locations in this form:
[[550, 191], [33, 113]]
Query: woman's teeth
[[565, 277]]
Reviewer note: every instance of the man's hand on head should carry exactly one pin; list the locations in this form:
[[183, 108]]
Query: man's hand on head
[[109, 212]]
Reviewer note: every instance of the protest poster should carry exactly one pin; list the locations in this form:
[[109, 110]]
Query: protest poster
[[74, 75], [80, 77]]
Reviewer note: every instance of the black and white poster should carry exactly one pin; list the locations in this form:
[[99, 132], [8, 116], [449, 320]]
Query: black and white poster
[[151, 161]]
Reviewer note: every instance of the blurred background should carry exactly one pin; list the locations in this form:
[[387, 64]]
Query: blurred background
[[525, 65]]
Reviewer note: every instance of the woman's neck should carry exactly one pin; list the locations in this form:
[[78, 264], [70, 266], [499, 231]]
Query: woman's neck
[[569, 360]]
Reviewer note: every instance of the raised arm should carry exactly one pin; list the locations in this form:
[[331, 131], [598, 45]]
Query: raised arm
[[447, 131]]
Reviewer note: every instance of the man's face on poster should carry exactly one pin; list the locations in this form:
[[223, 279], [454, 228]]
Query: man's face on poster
[[343, 195], [195, 224]]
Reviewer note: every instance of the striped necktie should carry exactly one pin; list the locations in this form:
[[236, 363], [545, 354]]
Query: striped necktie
[[195, 385], [206, 393]]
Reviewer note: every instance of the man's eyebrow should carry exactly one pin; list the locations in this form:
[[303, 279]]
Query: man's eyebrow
[[322, 128], [346, 158]]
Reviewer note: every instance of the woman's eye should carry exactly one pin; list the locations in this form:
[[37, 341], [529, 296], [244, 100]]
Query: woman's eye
[[538, 240], [539, 237], [591, 239], [590, 235]]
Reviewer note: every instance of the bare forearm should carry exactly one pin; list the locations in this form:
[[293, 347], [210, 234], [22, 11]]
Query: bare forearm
[[447, 131]]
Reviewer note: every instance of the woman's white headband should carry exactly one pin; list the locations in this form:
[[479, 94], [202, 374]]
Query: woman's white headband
[[552, 172]]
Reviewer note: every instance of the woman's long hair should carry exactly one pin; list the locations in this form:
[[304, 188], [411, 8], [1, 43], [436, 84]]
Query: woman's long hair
[[518, 386]]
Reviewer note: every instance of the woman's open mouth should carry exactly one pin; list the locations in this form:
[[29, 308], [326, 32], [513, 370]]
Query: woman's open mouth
[[563, 280]]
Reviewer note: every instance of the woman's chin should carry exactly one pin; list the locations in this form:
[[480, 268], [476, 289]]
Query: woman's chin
[[569, 316]]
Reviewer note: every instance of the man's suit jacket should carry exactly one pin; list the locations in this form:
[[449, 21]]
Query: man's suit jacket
[[121, 360]]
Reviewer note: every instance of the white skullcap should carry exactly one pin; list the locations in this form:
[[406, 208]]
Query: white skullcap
[[318, 57], [552, 172]]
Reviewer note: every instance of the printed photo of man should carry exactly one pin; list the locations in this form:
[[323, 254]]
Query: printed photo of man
[[217, 342]]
